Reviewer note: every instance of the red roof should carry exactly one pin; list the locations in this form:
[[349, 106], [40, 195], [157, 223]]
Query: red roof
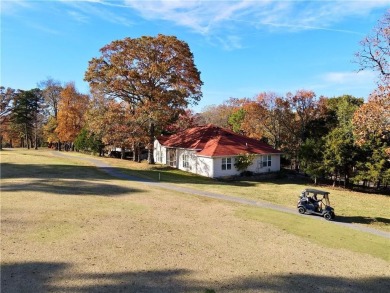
[[213, 141]]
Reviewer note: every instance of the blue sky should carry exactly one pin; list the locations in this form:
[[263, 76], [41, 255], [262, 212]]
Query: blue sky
[[241, 47]]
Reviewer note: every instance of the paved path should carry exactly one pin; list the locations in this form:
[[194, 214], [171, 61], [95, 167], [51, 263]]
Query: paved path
[[112, 171]]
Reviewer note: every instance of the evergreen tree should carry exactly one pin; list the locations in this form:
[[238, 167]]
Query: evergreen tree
[[26, 113]]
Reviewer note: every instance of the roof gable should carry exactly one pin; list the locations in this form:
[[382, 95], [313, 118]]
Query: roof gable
[[210, 140]]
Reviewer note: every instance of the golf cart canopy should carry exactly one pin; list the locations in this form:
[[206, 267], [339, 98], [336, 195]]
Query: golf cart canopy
[[325, 194], [315, 191]]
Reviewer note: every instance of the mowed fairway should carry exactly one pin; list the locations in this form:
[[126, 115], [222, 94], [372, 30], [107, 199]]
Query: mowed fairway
[[66, 226]]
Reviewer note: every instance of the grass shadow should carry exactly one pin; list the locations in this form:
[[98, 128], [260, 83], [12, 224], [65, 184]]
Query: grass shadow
[[41, 277], [62, 180], [362, 220], [29, 276], [50, 171], [72, 187], [173, 175]]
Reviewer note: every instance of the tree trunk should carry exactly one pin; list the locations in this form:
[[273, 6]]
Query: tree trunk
[[151, 143], [134, 152], [136, 157], [35, 139], [122, 152]]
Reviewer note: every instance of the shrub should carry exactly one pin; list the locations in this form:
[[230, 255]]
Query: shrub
[[243, 161]]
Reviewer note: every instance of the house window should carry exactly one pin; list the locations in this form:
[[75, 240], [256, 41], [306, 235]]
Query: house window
[[226, 163], [266, 161], [186, 163]]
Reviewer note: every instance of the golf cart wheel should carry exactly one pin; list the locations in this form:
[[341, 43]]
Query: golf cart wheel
[[301, 210], [328, 216]]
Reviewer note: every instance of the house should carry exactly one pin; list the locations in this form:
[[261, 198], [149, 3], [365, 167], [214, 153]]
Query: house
[[211, 151]]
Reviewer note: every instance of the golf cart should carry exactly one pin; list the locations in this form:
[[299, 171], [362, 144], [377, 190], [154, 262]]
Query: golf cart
[[309, 203]]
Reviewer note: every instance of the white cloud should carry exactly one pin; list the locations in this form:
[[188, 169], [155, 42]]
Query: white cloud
[[79, 17], [230, 42], [204, 16], [358, 84], [361, 78], [81, 10], [12, 6], [222, 20]]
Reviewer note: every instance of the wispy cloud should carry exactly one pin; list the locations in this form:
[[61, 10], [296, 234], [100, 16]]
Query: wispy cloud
[[79, 17], [42, 28], [342, 82], [82, 10], [205, 16], [12, 6], [227, 20], [230, 42], [348, 78], [223, 21]]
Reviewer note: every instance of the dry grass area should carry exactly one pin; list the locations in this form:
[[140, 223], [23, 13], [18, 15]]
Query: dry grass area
[[371, 210], [68, 227]]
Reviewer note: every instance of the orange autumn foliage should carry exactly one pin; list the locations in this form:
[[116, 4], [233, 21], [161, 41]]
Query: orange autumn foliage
[[71, 109]]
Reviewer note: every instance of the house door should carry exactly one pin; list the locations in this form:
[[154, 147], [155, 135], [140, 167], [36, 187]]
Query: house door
[[172, 157]]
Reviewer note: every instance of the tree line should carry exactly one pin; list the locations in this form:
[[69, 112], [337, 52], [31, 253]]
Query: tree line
[[143, 87], [342, 138]]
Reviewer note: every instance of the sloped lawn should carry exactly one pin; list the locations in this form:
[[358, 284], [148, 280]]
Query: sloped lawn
[[68, 227]]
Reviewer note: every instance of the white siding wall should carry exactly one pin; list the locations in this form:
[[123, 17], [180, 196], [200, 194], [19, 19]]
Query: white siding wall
[[211, 167], [256, 167], [205, 167], [190, 158], [198, 165], [218, 172], [159, 153]]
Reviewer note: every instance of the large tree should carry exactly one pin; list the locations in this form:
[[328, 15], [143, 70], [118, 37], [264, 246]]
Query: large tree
[[6, 103], [26, 114], [271, 112], [51, 90], [155, 75], [181, 122], [375, 50], [216, 114], [371, 122], [71, 109], [340, 154], [371, 127], [296, 111]]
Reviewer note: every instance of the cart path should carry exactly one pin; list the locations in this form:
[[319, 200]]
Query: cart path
[[114, 172]]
